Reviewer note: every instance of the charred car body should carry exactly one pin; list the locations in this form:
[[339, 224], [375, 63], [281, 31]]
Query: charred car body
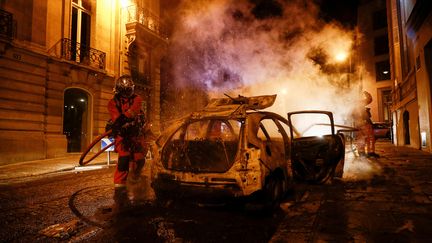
[[232, 149]]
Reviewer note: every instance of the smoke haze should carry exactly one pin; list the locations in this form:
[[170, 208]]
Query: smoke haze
[[266, 47], [234, 47]]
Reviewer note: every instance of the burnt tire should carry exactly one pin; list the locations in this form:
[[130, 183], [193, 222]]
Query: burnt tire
[[274, 191]]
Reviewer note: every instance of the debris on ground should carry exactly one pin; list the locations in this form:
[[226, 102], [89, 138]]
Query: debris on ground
[[62, 231], [408, 225], [164, 230]]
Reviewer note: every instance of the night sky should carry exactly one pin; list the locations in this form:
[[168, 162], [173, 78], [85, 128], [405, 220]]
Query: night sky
[[343, 11]]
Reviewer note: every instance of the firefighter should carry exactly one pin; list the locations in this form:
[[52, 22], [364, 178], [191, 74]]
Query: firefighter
[[127, 123], [366, 138]]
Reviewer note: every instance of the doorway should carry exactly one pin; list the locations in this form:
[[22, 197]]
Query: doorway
[[428, 63], [406, 127], [76, 119]]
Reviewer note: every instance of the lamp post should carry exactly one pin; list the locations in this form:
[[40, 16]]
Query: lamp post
[[341, 57]]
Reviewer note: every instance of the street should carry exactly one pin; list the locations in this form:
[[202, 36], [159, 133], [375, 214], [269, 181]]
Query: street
[[83, 200], [379, 200]]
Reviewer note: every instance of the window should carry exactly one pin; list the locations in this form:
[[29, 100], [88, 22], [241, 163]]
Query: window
[[381, 45], [382, 70], [139, 64], [270, 129], [272, 137], [386, 103], [80, 30], [379, 19], [208, 145]]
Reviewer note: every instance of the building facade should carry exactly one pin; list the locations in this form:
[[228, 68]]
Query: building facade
[[58, 64], [410, 28], [374, 58]]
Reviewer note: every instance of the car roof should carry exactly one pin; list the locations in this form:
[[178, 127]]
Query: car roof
[[225, 108], [234, 107]]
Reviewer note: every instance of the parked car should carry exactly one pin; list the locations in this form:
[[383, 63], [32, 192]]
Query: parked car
[[234, 149], [381, 130]]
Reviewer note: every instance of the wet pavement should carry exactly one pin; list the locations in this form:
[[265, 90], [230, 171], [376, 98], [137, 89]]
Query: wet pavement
[[36, 169], [388, 199]]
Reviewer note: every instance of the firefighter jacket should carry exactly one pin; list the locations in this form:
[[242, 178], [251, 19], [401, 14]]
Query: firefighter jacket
[[126, 116]]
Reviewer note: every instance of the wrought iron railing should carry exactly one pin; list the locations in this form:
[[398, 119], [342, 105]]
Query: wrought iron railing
[[147, 19], [74, 51], [6, 25]]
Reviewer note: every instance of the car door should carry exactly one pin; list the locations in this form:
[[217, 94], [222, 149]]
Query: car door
[[272, 138], [317, 152]]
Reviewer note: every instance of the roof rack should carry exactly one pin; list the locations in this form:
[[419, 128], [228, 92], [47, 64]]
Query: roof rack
[[249, 103]]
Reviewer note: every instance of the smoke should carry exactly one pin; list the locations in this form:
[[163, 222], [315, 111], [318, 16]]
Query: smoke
[[243, 47], [360, 168]]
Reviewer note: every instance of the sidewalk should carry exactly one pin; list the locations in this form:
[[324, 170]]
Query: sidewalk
[[28, 169], [388, 199]]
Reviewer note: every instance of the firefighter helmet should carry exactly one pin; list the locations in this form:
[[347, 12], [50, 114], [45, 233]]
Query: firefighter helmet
[[367, 98], [124, 86]]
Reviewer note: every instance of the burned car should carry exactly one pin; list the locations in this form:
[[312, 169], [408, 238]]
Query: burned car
[[234, 149]]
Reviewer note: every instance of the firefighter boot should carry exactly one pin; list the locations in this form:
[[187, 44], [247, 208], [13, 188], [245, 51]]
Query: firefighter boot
[[121, 199]]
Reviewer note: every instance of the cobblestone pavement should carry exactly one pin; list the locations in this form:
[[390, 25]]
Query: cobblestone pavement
[[388, 199]]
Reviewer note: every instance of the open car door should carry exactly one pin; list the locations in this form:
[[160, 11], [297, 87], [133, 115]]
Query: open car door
[[317, 152]]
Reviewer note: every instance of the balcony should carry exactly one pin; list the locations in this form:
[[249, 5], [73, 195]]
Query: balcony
[[6, 25], [74, 51], [148, 20]]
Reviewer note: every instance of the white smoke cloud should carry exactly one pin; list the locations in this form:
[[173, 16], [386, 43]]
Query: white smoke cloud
[[221, 46]]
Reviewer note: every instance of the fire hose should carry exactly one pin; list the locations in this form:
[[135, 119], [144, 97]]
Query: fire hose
[[95, 141]]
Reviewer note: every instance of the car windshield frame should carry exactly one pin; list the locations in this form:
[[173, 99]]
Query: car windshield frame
[[195, 146]]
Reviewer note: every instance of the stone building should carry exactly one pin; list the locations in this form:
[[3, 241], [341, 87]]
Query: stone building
[[410, 27], [373, 56], [58, 63]]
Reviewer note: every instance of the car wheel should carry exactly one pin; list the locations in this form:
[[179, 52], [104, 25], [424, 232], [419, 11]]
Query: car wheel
[[274, 190]]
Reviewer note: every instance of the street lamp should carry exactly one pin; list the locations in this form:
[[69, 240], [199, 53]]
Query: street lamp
[[341, 57]]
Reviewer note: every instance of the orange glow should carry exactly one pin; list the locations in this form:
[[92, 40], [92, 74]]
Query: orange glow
[[341, 56]]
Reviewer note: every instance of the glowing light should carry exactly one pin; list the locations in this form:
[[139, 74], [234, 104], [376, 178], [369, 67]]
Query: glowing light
[[423, 139], [125, 3], [72, 106], [341, 56], [284, 91], [385, 72], [82, 100]]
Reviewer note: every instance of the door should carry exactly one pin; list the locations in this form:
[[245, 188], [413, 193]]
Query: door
[[273, 143], [76, 119], [317, 153], [407, 136]]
